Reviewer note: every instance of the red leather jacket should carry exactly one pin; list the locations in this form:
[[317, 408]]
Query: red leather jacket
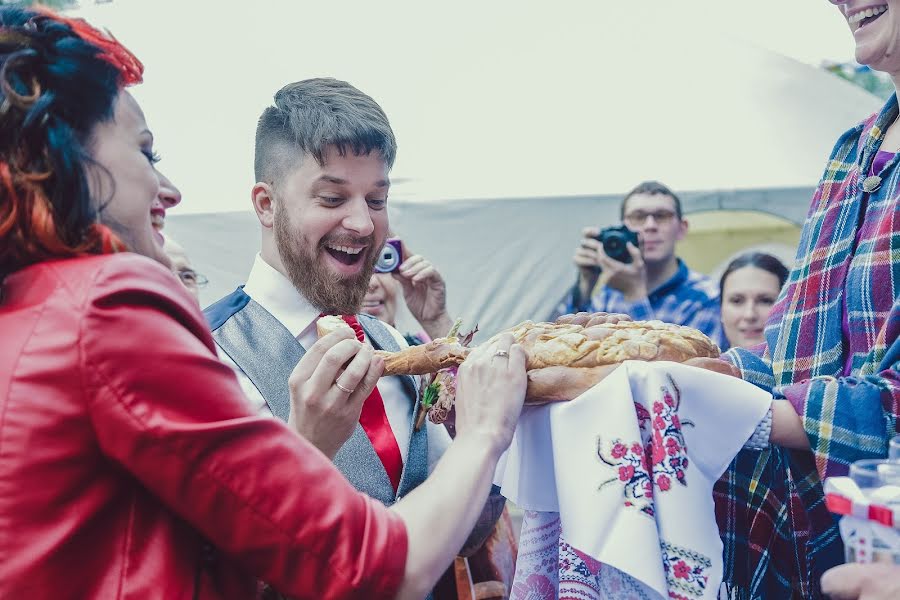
[[125, 446]]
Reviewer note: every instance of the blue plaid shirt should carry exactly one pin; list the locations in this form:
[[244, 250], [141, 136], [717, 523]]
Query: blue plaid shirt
[[688, 298]]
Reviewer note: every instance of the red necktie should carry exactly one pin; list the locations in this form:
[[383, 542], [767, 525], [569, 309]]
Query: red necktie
[[374, 422]]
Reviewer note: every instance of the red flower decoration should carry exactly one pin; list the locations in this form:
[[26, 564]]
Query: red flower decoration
[[658, 407], [663, 483], [626, 473], [681, 570], [619, 450]]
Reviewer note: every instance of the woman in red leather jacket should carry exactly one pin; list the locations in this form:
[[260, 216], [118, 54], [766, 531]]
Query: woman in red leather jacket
[[129, 465]]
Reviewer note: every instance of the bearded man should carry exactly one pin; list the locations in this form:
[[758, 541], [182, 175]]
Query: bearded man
[[323, 155]]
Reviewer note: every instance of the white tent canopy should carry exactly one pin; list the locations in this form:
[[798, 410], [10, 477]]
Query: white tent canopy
[[518, 123]]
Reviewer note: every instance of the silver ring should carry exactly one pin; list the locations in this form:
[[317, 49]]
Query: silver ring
[[502, 353], [342, 388]]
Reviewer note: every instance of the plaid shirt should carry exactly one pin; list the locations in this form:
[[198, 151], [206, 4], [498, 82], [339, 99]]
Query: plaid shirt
[[688, 298], [779, 537]]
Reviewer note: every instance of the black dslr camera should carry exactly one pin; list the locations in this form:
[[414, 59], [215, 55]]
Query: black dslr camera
[[615, 242]]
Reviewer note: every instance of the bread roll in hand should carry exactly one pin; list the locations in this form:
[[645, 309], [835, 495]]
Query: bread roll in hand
[[329, 323]]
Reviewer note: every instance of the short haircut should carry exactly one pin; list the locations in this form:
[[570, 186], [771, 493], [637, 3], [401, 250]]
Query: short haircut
[[652, 188], [760, 260], [310, 116]]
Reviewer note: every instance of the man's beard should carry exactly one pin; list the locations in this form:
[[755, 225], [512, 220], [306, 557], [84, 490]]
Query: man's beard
[[326, 290]]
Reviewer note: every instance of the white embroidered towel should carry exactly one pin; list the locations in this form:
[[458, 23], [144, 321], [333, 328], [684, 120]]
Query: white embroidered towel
[[629, 467]]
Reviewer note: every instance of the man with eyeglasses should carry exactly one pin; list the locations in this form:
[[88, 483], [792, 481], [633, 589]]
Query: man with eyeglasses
[[181, 266], [656, 284]]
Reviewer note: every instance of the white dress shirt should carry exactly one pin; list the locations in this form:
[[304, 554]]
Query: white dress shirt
[[275, 293]]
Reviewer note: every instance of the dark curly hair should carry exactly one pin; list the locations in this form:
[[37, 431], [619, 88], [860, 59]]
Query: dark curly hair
[[59, 78]]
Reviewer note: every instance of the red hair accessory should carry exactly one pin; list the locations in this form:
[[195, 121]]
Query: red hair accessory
[[131, 70]]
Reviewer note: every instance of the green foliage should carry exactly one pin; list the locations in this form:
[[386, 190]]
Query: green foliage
[[872, 81]]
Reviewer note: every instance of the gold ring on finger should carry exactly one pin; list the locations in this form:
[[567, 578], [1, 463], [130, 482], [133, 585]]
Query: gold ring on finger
[[342, 388]]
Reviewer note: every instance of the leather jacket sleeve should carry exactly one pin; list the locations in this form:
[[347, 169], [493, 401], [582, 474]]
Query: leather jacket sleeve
[[173, 416]]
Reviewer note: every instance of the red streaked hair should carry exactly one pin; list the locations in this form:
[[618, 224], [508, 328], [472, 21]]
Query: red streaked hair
[[27, 218], [31, 230], [131, 70]]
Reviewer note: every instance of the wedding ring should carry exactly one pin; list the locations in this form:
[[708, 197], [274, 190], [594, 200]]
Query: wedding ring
[[342, 388], [502, 353]]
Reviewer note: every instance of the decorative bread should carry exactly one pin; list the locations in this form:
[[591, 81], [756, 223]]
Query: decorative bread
[[568, 344], [573, 345]]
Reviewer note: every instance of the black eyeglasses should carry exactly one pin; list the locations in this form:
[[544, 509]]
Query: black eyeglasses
[[192, 278], [639, 217]]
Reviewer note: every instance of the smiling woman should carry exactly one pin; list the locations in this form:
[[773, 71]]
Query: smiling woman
[[117, 415], [831, 351]]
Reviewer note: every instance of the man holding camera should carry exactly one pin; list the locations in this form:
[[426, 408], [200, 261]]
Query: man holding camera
[[645, 280]]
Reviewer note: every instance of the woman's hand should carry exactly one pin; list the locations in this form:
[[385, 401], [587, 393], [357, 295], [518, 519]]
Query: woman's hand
[[490, 391], [425, 293]]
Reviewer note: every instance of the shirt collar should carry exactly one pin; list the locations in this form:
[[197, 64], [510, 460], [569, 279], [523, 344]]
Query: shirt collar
[[674, 282], [275, 293]]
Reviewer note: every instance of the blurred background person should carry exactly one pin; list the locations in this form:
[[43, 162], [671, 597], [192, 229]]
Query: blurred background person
[[181, 266], [651, 282], [421, 287], [749, 288]]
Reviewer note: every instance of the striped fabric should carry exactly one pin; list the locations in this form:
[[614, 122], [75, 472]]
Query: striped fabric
[[832, 351]]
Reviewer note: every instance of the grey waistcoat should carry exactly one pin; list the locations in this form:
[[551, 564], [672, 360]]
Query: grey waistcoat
[[267, 352]]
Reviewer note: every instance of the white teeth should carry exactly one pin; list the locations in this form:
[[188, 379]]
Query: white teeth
[[865, 14], [157, 220], [346, 249]]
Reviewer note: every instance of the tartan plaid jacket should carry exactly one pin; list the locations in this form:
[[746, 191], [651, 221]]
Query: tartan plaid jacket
[[779, 538]]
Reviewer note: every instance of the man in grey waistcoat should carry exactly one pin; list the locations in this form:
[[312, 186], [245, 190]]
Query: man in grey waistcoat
[[322, 159]]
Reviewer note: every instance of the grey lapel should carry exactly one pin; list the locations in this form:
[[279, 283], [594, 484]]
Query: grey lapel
[[266, 352]]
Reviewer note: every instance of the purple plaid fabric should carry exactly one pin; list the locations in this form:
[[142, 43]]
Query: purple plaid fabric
[[688, 298], [779, 537]]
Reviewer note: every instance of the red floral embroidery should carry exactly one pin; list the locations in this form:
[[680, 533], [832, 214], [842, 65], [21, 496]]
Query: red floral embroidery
[[686, 572], [658, 459]]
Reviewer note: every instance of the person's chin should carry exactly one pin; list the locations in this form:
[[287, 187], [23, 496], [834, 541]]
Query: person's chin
[[750, 342], [376, 310]]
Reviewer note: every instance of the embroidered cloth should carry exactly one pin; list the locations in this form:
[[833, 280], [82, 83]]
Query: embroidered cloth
[[617, 484]]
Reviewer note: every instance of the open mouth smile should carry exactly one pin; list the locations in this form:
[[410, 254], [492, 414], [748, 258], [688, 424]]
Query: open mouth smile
[[862, 18], [347, 255]]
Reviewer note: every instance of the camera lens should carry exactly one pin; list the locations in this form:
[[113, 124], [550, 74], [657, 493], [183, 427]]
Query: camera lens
[[388, 259]]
